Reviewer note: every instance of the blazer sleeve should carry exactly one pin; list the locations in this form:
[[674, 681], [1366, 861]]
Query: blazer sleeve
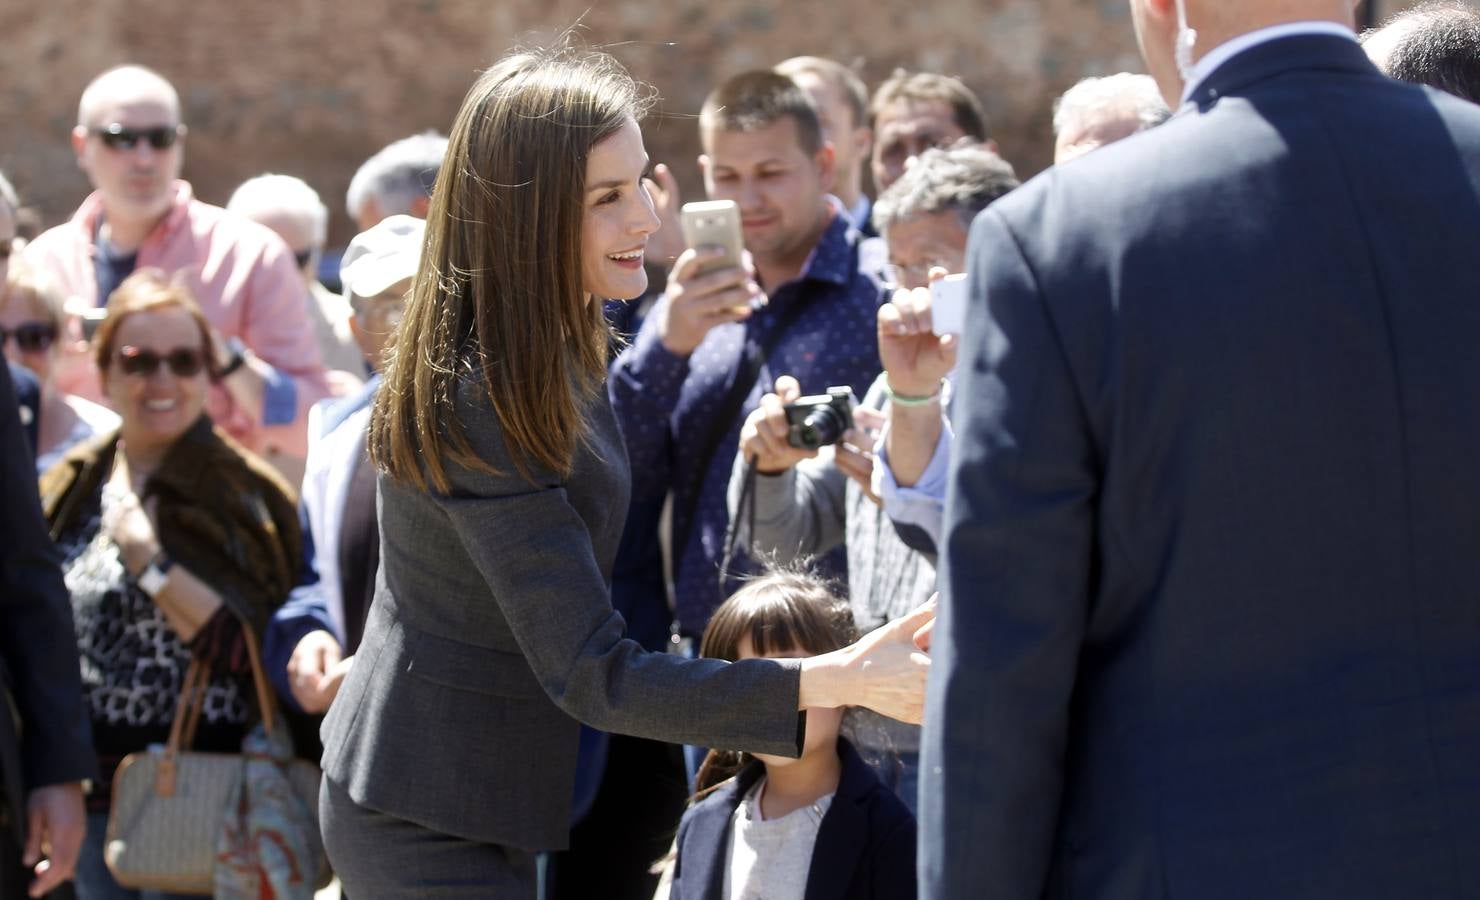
[[1018, 544], [37, 642], [534, 551]]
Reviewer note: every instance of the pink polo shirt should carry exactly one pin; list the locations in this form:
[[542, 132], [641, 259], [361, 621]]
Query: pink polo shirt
[[247, 284]]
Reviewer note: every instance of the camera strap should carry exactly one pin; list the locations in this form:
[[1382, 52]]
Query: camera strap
[[753, 356]]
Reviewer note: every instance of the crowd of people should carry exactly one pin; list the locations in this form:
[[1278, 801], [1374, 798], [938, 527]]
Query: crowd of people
[[520, 521]]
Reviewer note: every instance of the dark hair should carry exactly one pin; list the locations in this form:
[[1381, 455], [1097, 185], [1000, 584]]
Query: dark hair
[[782, 610], [498, 292], [843, 79], [920, 87], [1439, 47], [754, 100]]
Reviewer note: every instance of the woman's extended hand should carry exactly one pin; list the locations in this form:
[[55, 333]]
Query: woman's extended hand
[[885, 670]]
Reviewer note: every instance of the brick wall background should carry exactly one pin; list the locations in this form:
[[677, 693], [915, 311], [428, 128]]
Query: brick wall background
[[313, 87]]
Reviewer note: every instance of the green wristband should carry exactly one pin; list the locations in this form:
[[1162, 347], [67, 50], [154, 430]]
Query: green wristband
[[907, 400]]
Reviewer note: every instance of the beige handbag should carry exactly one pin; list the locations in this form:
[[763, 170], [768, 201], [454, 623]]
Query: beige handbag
[[170, 804]]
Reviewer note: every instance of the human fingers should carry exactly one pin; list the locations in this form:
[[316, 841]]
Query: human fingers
[[922, 637], [788, 388], [853, 462], [868, 419], [693, 272]]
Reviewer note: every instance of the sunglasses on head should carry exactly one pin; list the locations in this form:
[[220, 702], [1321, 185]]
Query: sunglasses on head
[[183, 361], [32, 337], [117, 137]]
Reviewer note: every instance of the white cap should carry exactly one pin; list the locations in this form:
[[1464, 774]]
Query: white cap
[[378, 258]]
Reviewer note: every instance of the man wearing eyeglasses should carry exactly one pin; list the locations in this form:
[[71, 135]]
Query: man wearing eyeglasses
[[130, 141]]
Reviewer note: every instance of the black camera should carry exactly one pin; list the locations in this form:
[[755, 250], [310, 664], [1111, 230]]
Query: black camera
[[821, 419]]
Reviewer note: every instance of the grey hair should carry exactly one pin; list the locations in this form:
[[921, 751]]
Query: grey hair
[[1094, 95], [266, 194], [398, 175], [963, 179], [8, 194]]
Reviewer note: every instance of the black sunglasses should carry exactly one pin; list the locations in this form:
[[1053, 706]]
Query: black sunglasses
[[32, 337], [183, 361], [117, 137]]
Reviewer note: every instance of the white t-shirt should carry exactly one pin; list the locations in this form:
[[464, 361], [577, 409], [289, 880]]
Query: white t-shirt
[[768, 859]]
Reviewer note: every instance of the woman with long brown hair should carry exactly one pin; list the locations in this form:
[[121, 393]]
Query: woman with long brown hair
[[450, 750]]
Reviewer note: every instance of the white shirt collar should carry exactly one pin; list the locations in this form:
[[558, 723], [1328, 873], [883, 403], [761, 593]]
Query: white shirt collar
[[1215, 58]]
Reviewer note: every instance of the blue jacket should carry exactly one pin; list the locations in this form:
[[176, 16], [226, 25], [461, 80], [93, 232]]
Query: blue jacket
[[865, 846], [1210, 611]]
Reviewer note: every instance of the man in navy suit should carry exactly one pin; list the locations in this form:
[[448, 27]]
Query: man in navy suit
[[1211, 603], [47, 753]]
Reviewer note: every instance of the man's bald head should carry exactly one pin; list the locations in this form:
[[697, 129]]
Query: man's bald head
[[125, 86]]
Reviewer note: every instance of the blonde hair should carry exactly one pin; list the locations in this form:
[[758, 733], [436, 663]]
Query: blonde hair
[[499, 294], [25, 283]]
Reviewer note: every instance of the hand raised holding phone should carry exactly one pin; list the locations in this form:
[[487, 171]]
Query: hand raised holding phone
[[712, 282], [914, 354]]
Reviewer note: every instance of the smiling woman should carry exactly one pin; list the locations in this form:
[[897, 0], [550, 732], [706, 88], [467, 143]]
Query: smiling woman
[[174, 540], [450, 750]]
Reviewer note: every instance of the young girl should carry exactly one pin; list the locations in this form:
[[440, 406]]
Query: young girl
[[775, 828]]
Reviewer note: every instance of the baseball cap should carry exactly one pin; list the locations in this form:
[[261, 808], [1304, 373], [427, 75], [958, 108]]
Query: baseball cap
[[385, 254]]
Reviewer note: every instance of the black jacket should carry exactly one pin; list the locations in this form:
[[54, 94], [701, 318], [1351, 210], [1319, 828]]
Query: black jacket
[[39, 674], [865, 846]]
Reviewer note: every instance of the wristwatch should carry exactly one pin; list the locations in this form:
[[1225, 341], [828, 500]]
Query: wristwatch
[[238, 357], [151, 580]]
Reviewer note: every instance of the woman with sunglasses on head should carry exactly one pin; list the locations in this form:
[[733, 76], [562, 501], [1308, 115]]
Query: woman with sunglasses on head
[[174, 540], [32, 318], [450, 750]]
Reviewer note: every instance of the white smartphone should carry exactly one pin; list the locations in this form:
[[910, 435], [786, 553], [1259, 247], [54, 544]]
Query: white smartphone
[[714, 223], [948, 304]]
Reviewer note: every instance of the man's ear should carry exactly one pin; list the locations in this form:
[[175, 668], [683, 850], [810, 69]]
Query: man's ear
[[79, 143], [826, 161]]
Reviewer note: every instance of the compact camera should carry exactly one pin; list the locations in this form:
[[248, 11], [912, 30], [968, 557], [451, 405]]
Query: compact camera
[[820, 419]]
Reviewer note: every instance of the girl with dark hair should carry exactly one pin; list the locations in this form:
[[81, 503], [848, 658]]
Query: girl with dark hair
[[791, 829]]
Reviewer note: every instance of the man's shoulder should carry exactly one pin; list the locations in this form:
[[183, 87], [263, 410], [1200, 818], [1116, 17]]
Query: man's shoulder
[[222, 231]]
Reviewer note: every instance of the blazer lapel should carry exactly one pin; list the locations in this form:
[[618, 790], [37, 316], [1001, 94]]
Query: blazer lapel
[[842, 837]]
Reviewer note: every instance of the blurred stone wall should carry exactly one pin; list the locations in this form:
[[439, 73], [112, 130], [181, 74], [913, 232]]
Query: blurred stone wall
[[313, 87]]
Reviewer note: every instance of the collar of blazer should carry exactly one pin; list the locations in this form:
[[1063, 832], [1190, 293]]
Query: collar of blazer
[[842, 838], [1304, 53]]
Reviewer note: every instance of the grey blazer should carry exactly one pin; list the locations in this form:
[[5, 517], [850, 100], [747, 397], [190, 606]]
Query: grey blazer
[[492, 632]]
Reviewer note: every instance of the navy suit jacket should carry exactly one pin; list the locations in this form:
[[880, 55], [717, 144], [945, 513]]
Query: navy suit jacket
[[865, 846], [38, 649], [1211, 599]]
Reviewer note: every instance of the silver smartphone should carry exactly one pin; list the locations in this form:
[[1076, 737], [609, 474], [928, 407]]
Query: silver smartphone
[[714, 223], [948, 304]]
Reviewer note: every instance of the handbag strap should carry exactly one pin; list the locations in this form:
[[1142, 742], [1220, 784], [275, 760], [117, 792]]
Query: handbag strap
[[192, 699]]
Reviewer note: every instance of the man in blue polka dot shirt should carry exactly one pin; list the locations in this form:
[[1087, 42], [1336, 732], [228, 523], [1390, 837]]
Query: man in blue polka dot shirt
[[763, 148]]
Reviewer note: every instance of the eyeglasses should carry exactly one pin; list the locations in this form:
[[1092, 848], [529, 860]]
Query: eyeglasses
[[183, 361], [31, 337], [117, 137]]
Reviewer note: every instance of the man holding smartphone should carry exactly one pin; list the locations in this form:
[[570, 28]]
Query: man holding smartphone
[[797, 305]]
